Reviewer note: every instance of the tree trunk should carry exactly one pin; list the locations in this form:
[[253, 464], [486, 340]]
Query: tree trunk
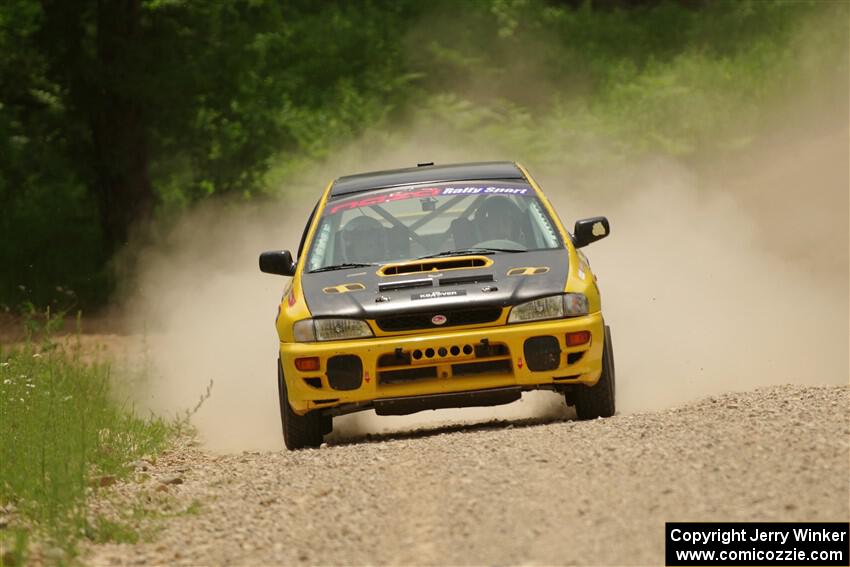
[[117, 120]]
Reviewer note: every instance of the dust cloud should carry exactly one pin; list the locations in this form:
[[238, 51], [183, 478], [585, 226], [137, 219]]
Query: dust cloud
[[714, 279], [714, 283], [207, 315]]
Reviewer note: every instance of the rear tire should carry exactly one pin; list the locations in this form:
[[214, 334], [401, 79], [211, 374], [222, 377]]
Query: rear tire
[[599, 400], [300, 431]]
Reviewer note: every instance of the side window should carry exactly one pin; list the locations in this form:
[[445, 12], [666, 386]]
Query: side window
[[545, 231], [306, 230], [323, 245]]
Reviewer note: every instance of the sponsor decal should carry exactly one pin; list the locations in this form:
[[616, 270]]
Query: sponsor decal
[[485, 190], [425, 193], [598, 229], [386, 198], [438, 294], [439, 319]]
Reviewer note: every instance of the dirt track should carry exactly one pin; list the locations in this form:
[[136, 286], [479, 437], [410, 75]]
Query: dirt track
[[561, 492]]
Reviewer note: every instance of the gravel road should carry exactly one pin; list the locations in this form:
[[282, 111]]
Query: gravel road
[[555, 493]]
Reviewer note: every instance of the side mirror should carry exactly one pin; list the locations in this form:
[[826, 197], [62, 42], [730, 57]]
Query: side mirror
[[590, 230], [277, 262]]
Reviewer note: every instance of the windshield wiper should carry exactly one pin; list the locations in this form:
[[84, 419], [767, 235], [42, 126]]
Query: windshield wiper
[[462, 251], [344, 266]]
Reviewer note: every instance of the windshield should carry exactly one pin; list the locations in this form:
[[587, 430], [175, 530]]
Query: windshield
[[388, 225]]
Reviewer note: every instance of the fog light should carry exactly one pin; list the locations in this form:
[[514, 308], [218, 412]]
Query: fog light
[[345, 372], [542, 353], [578, 338], [308, 364]]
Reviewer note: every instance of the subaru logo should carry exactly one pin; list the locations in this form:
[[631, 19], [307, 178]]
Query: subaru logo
[[438, 319]]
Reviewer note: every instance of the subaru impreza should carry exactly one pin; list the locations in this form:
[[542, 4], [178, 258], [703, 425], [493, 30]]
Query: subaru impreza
[[433, 287]]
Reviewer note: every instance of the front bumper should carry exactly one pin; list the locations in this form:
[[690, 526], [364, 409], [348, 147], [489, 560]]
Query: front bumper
[[495, 358]]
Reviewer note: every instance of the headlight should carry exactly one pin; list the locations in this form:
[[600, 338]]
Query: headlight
[[575, 304], [310, 330], [553, 307], [537, 310]]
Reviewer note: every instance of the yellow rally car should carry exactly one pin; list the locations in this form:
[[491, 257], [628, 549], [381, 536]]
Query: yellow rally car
[[435, 287]]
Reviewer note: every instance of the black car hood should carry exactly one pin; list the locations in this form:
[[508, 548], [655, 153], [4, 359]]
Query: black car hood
[[444, 291]]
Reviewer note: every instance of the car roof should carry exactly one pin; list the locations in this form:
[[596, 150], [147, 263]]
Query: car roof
[[425, 174]]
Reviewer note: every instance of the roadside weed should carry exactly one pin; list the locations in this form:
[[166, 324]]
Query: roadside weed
[[63, 436]]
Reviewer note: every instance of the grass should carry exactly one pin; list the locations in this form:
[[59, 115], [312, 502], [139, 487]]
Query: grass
[[62, 431]]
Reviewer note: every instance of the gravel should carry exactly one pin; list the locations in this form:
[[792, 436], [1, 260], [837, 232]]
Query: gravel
[[555, 493]]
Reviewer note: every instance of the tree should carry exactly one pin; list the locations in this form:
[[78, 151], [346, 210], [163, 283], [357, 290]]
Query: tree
[[90, 53]]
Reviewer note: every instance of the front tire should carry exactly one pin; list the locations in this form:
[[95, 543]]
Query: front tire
[[599, 400], [300, 431]]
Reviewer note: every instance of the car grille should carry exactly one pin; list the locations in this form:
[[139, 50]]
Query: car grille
[[485, 367], [432, 362], [453, 319]]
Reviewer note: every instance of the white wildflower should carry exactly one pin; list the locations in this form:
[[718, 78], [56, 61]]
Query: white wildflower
[[7, 381], [66, 398], [4, 364], [37, 355]]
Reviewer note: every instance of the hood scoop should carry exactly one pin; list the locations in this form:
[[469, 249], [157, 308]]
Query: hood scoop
[[460, 280], [435, 265], [405, 284]]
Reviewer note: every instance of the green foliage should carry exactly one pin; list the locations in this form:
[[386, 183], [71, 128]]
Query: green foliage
[[664, 78], [49, 234], [587, 86], [62, 430], [52, 250], [238, 97], [247, 80]]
